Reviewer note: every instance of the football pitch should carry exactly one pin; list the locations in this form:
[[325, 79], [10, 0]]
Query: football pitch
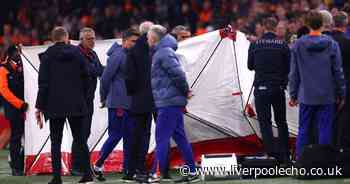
[[5, 178]]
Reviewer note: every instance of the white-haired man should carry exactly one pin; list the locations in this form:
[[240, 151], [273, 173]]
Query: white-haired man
[[138, 84], [95, 69], [170, 91]]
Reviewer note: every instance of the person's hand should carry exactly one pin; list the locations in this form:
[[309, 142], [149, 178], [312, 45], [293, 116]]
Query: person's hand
[[39, 119], [293, 102], [24, 107], [340, 102], [190, 94], [103, 104]]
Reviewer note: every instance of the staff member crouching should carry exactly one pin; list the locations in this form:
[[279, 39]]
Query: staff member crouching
[[170, 92], [63, 79], [114, 95], [12, 90], [95, 69]]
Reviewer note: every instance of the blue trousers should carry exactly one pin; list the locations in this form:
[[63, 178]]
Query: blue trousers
[[170, 123], [119, 127], [322, 116]]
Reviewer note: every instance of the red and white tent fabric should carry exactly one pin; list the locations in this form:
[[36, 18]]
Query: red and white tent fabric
[[216, 69]]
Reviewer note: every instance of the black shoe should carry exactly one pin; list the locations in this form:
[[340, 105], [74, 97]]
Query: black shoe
[[86, 179], [128, 179], [142, 178], [188, 179], [166, 177], [56, 180], [16, 172], [99, 174]]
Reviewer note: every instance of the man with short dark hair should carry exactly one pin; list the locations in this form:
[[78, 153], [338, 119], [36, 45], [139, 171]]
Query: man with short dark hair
[[316, 81], [181, 33], [114, 96], [342, 126], [95, 69], [269, 57], [12, 91], [62, 83]]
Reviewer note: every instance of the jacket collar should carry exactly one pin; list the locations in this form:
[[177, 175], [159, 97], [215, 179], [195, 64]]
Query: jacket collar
[[269, 35]]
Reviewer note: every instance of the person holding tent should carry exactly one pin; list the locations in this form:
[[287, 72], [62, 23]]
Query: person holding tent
[[62, 82], [269, 57], [114, 96], [95, 69], [12, 91], [316, 82], [170, 91]]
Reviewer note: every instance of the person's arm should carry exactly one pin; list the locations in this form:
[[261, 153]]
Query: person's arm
[[43, 83], [287, 58], [6, 92], [251, 57], [172, 66], [113, 63], [338, 73], [294, 77], [98, 68], [131, 77]]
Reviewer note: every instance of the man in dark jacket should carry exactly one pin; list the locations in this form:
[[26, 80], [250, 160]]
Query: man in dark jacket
[[342, 137], [138, 84], [114, 96], [269, 57], [63, 79], [170, 91], [12, 91], [95, 69], [316, 81]]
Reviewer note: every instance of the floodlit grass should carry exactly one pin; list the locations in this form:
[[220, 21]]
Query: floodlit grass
[[5, 178]]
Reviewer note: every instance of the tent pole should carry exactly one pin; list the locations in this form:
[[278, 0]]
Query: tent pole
[[240, 88], [206, 64]]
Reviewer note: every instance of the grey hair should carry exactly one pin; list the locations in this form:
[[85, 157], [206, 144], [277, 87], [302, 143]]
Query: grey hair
[[159, 31], [145, 26], [327, 18], [179, 28], [85, 30]]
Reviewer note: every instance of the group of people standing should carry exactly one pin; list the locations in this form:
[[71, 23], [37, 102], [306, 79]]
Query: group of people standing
[[143, 80], [315, 71]]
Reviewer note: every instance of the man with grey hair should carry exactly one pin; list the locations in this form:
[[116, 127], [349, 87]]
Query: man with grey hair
[[95, 70], [170, 91], [138, 85], [181, 33], [327, 22], [342, 137]]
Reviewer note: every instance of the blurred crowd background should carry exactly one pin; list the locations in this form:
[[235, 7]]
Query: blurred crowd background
[[29, 22]]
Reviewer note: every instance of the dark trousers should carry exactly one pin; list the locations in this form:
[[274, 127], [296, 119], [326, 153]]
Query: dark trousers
[[56, 133], [342, 126], [118, 128], [77, 162], [170, 124], [265, 98], [140, 143], [17, 131], [322, 116]]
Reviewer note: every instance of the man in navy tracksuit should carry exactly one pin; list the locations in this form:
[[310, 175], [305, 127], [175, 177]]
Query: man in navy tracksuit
[[270, 59], [95, 69], [170, 92], [316, 82], [114, 96]]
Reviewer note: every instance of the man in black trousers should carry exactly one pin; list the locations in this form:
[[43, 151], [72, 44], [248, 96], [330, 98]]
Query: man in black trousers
[[62, 85], [341, 134], [270, 59], [95, 70], [138, 84]]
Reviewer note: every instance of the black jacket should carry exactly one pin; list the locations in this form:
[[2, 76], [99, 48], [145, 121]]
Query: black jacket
[[62, 82], [138, 81], [344, 45], [270, 58], [95, 70]]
